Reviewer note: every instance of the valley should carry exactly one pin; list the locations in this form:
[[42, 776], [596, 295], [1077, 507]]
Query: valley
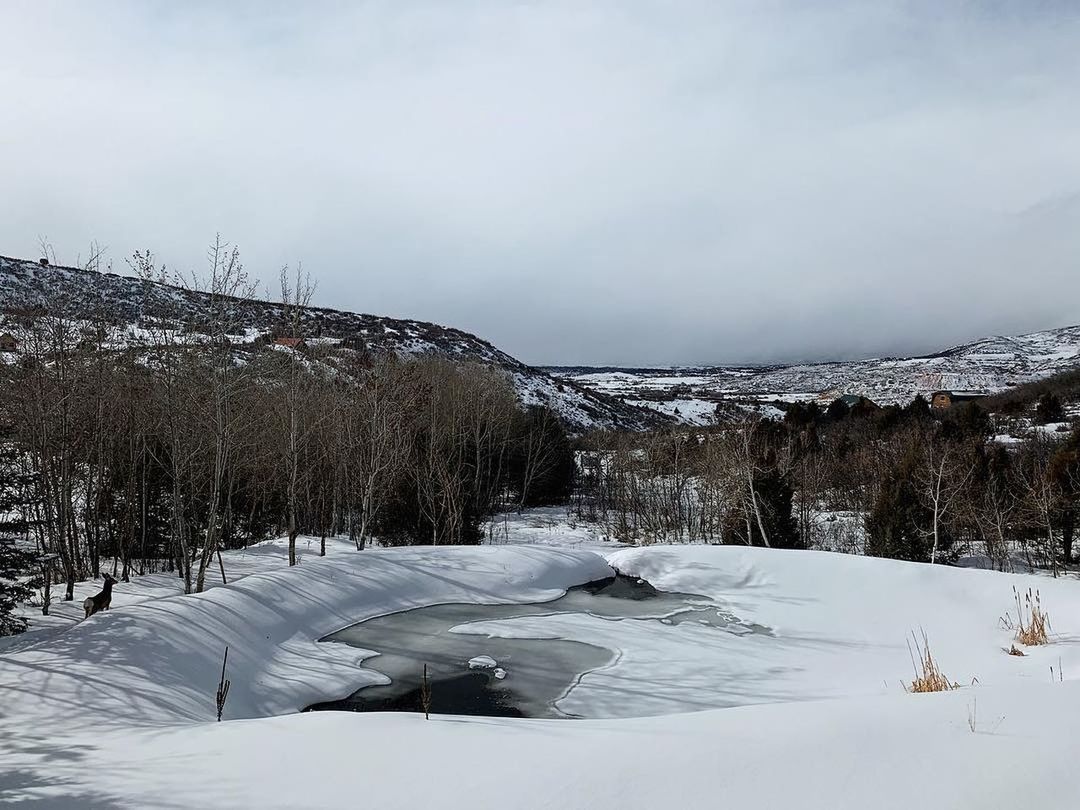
[[982, 367]]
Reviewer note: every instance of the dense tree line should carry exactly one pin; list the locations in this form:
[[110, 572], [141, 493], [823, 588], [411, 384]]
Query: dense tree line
[[154, 450], [898, 482], [729, 485]]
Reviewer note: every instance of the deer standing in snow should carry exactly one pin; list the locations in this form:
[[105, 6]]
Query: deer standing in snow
[[100, 601]]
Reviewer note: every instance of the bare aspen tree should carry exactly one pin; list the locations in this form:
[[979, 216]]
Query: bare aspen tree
[[48, 417], [202, 381], [811, 476], [296, 296], [378, 434], [748, 465], [165, 361], [1041, 498], [995, 511], [942, 478]]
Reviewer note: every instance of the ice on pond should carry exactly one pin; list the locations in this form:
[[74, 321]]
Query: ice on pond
[[563, 654]]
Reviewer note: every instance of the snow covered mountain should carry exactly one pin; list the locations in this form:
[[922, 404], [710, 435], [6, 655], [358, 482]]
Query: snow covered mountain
[[585, 397], [986, 366], [27, 285]]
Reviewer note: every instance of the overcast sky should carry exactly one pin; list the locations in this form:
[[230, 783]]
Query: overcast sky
[[578, 182]]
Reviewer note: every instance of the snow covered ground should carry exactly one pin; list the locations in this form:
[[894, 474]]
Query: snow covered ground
[[117, 711], [688, 411], [549, 526]]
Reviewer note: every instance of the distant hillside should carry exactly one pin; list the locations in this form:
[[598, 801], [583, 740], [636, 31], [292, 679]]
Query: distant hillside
[[28, 286], [987, 366]]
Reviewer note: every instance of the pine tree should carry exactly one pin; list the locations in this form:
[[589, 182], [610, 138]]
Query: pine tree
[[774, 493], [541, 463], [1065, 473], [837, 410], [893, 525], [1049, 409], [918, 409], [17, 574]]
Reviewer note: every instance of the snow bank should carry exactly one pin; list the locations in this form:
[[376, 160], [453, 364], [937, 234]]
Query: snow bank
[[841, 623], [887, 754], [117, 711], [797, 626], [158, 662]]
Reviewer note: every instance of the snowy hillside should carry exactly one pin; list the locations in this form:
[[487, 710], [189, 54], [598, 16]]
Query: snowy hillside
[[985, 366], [118, 710], [28, 286]]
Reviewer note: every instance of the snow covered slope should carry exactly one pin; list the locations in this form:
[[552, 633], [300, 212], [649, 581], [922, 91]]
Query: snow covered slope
[[26, 285], [986, 366], [117, 711]]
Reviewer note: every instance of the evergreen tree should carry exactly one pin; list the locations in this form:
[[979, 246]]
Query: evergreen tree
[[17, 580], [802, 414], [837, 410], [967, 420], [893, 525], [541, 465], [889, 418], [1065, 473], [864, 409], [774, 495], [1049, 409], [918, 409]]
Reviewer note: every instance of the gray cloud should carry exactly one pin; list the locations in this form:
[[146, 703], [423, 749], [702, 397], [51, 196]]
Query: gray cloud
[[577, 182]]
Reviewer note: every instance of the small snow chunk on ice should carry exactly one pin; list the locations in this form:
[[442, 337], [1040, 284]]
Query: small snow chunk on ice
[[482, 662], [499, 673]]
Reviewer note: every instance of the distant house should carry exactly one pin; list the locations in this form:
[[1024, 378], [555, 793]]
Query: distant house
[[291, 343], [826, 398], [854, 400], [8, 343], [940, 400], [943, 400]]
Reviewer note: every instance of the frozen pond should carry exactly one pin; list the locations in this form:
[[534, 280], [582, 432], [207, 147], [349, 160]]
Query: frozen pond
[[517, 660]]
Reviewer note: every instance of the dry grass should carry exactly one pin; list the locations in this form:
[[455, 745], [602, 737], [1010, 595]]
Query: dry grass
[[1033, 624], [928, 678], [1014, 650]]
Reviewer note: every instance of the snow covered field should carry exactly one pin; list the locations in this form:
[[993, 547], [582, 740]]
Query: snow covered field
[[118, 711]]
